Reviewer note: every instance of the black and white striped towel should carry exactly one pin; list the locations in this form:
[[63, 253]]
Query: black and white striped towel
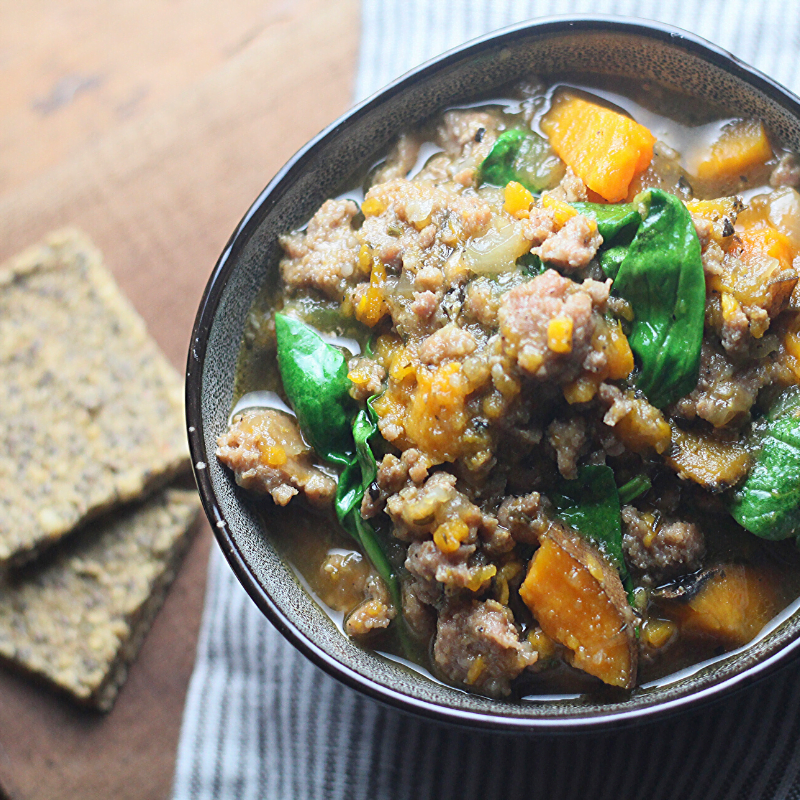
[[263, 722]]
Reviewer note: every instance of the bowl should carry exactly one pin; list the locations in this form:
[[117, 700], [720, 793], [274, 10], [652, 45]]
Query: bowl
[[612, 46]]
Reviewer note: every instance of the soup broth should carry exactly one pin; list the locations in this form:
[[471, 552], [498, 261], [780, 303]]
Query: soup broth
[[534, 391]]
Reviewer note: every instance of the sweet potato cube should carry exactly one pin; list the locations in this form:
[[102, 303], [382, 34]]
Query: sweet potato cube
[[605, 149], [713, 463], [578, 600], [758, 270], [740, 146], [732, 607]]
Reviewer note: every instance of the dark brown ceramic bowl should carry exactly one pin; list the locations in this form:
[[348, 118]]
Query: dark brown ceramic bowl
[[322, 169]]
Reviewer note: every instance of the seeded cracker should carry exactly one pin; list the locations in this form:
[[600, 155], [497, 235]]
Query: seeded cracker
[[91, 412], [77, 617]]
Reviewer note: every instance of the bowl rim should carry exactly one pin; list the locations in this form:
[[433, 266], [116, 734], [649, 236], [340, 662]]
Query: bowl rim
[[267, 199]]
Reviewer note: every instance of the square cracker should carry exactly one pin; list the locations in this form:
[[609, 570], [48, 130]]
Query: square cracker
[[91, 412], [77, 616]]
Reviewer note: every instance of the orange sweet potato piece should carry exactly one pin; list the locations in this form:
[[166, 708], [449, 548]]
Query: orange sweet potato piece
[[578, 600], [740, 146], [605, 149], [732, 607], [712, 462], [758, 270]]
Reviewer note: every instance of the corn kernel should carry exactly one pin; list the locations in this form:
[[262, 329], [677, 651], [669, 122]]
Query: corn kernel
[[530, 361], [360, 377], [620, 356], [493, 405], [480, 576], [449, 535], [475, 671], [372, 207], [581, 390], [365, 258], [730, 305], [402, 365], [371, 308], [378, 276], [657, 632], [595, 568], [273, 455], [559, 335], [518, 199], [652, 524], [561, 211]]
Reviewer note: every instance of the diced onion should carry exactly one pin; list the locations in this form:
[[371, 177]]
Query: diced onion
[[784, 213], [496, 251]]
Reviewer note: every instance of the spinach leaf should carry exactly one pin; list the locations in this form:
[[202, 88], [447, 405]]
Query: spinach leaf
[[617, 225], [634, 488], [662, 278], [522, 156], [353, 483], [314, 375], [591, 505], [531, 264], [618, 220], [611, 259], [768, 502]]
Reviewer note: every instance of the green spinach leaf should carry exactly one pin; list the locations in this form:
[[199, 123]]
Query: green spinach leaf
[[662, 278], [618, 220], [768, 502], [314, 376], [634, 488], [531, 264], [522, 156], [591, 505], [617, 224], [354, 481]]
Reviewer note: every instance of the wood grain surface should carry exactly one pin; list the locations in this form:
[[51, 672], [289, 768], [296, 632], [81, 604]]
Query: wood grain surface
[[152, 125]]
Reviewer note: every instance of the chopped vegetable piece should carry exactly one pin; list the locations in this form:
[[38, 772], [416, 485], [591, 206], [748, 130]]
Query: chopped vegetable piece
[[522, 156], [657, 633], [617, 225], [741, 146], [712, 462], [372, 308], [518, 199], [617, 221], [314, 375], [758, 271], [662, 278], [731, 607], [720, 212], [606, 149], [590, 504], [618, 352], [768, 502], [531, 264], [578, 600], [634, 488], [643, 428], [353, 482], [561, 211]]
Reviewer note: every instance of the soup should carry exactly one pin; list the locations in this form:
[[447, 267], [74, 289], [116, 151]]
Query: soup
[[523, 404]]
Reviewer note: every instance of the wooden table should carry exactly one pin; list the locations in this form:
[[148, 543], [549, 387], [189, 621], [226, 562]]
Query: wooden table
[[150, 124]]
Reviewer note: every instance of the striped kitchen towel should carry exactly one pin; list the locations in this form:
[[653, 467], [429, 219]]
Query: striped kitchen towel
[[263, 722]]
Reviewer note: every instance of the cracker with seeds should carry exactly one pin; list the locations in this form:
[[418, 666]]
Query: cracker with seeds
[[77, 616], [91, 412]]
